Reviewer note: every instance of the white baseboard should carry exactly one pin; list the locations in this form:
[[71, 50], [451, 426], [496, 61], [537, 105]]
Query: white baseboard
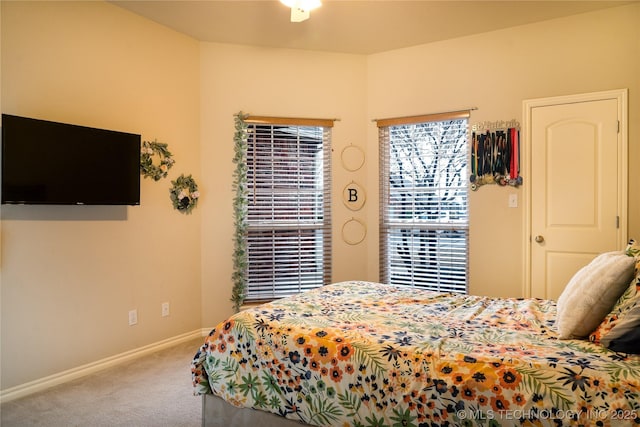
[[205, 331], [44, 383]]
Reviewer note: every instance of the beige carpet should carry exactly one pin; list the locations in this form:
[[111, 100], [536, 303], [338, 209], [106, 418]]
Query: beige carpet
[[150, 391]]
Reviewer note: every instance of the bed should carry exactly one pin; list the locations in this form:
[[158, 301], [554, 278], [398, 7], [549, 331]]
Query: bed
[[370, 354]]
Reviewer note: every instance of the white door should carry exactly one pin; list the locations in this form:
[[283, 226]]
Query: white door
[[577, 186]]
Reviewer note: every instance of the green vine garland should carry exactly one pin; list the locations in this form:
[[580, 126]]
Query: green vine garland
[[147, 168], [240, 204], [184, 194]]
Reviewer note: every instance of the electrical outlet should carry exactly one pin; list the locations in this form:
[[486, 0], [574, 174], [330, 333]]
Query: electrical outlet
[[165, 309], [133, 317]]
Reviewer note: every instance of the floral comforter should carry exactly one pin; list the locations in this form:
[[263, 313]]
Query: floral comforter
[[368, 354]]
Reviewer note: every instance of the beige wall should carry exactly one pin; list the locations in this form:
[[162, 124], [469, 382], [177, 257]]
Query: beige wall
[[273, 82], [70, 274], [495, 72], [1, 320]]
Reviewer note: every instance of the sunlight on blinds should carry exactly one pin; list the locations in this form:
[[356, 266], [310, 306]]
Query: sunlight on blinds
[[424, 204]]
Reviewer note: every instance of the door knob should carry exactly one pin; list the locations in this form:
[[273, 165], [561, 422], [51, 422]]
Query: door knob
[[539, 239]]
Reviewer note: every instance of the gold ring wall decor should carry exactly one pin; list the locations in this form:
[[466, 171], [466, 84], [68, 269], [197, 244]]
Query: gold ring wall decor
[[354, 231], [352, 157]]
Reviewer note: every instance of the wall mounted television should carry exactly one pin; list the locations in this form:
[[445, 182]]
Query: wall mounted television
[[51, 163]]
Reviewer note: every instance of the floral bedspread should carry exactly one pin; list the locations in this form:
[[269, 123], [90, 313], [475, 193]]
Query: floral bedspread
[[369, 354]]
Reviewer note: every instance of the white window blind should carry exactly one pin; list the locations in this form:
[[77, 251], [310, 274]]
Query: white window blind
[[424, 228], [289, 205]]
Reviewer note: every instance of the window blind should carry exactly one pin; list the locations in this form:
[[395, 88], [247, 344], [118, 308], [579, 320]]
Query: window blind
[[424, 225], [289, 208]]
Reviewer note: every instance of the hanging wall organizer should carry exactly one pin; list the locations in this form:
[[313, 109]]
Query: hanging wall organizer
[[495, 154]]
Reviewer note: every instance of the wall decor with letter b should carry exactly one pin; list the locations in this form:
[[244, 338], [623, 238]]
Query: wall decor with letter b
[[354, 196]]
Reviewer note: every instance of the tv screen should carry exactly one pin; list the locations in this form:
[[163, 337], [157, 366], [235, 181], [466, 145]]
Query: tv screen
[[46, 162]]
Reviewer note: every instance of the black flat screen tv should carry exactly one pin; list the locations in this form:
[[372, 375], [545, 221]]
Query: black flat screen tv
[[51, 163]]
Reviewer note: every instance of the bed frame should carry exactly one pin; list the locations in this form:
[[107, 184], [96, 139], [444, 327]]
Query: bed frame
[[218, 413]]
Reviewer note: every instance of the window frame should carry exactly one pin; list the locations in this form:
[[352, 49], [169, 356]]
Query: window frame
[[256, 289], [387, 225]]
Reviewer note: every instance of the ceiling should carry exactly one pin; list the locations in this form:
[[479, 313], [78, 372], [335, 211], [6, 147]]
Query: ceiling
[[357, 27]]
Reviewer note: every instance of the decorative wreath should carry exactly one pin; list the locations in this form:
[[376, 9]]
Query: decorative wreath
[[155, 171], [184, 194]]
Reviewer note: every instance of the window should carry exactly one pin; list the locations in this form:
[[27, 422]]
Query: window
[[424, 229], [289, 205]]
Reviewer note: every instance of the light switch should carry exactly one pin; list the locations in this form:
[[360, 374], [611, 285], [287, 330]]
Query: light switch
[[513, 200]]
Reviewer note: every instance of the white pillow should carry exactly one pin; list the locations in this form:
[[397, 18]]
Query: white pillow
[[591, 293]]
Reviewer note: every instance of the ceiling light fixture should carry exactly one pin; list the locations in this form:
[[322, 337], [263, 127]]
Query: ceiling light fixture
[[300, 8]]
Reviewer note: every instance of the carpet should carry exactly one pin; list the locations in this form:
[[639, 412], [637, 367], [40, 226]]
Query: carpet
[[154, 390]]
